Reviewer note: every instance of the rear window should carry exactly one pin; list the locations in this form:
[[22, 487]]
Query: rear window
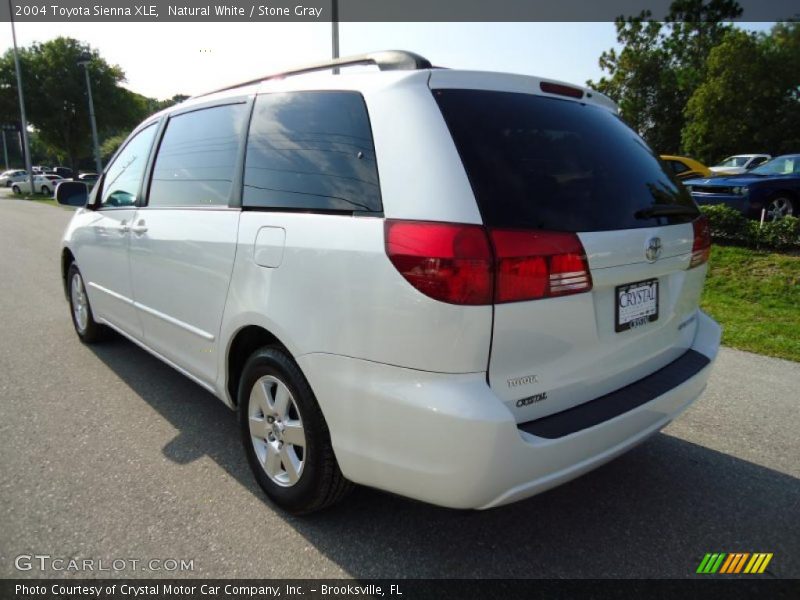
[[545, 163]]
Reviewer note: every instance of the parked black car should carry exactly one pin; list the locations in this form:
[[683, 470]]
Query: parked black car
[[773, 186]]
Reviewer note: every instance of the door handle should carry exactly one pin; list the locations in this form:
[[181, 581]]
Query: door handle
[[123, 228], [140, 228]]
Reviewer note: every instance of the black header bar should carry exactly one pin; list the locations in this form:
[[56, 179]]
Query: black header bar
[[362, 10]]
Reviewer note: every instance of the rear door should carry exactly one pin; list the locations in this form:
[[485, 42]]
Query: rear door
[[542, 163], [183, 241]]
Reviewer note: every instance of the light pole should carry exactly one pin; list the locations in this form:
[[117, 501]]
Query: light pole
[[23, 118], [335, 32], [83, 61], [5, 148]]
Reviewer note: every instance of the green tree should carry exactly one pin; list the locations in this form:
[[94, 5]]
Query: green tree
[[42, 153], [112, 143], [637, 80], [661, 64], [750, 98], [56, 100]]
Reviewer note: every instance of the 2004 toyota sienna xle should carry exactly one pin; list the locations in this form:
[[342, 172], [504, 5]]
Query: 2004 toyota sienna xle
[[461, 287]]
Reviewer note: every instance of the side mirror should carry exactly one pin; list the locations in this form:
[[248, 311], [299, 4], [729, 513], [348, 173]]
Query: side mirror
[[72, 193]]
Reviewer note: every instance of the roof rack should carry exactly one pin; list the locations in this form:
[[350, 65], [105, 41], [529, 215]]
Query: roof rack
[[386, 60]]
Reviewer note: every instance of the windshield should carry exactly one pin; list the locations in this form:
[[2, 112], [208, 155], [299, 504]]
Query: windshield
[[545, 163], [783, 165], [734, 161]]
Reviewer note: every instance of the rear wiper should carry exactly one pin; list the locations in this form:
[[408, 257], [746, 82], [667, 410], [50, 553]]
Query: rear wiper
[[666, 211]]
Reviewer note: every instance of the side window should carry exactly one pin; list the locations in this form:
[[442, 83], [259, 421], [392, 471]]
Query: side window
[[756, 161], [197, 157], [311, 151], [678, 167], [121, 183]]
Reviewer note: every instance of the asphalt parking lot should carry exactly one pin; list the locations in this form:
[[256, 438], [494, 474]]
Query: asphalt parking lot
[[107, 453]]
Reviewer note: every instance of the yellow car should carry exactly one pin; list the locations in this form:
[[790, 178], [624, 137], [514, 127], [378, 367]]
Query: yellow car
[[685, 168]]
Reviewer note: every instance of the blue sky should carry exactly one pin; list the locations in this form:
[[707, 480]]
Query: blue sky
[[163, 59]]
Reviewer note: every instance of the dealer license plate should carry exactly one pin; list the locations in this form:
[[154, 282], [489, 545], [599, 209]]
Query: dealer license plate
[[636, 304]]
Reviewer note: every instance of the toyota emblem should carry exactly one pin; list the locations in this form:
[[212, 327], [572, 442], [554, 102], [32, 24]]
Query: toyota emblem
[[653, 249]]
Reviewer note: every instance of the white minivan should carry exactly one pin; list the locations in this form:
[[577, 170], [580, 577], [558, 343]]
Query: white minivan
[[461, 287]]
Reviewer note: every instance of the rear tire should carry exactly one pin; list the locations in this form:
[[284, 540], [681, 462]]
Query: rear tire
[[285, 436], [88, 330], [45, 190]]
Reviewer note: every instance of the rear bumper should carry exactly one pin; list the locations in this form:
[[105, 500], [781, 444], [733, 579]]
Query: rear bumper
[[448, 440]]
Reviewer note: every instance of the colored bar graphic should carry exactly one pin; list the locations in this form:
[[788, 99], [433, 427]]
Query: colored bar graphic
[[718, 563], [711, 562], [727, 564], [730, 564], [740, 564], [751, 564], [734, 563], [703, 564], [765, 563]]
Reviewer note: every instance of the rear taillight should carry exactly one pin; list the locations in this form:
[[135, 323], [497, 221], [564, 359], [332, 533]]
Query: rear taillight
[[701, 247], [448, 262], [538, 264], [456, 263]]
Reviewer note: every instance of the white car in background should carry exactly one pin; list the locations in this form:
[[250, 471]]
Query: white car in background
[[512, 303], [8, 178], [739, 163], [42, 184]]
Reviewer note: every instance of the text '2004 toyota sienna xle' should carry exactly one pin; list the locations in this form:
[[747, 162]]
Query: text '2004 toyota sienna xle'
[[461, 287]]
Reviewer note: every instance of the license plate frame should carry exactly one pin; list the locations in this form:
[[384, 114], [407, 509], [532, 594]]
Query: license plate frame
[[641, 316]]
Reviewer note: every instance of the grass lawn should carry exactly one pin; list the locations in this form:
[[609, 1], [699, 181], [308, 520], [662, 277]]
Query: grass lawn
[[755, 296], [45, 200], [39, 198]]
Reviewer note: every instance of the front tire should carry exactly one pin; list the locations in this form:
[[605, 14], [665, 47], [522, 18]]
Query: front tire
[[45, 190], [88, 330], [16, 190], [285, 436]]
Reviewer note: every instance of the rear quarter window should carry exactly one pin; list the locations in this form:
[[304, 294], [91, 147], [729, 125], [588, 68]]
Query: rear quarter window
[[311, 151], [545, 163], [677, 167]]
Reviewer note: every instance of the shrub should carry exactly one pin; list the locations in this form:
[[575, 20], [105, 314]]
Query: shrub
[[730, 226]]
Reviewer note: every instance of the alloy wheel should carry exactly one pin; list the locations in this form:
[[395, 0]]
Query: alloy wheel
[[80, 304], [779, 208], [276, 431]]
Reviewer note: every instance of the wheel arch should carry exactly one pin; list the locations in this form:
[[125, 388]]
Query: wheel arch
[[782, 191], [243, 343], [67, 258]]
